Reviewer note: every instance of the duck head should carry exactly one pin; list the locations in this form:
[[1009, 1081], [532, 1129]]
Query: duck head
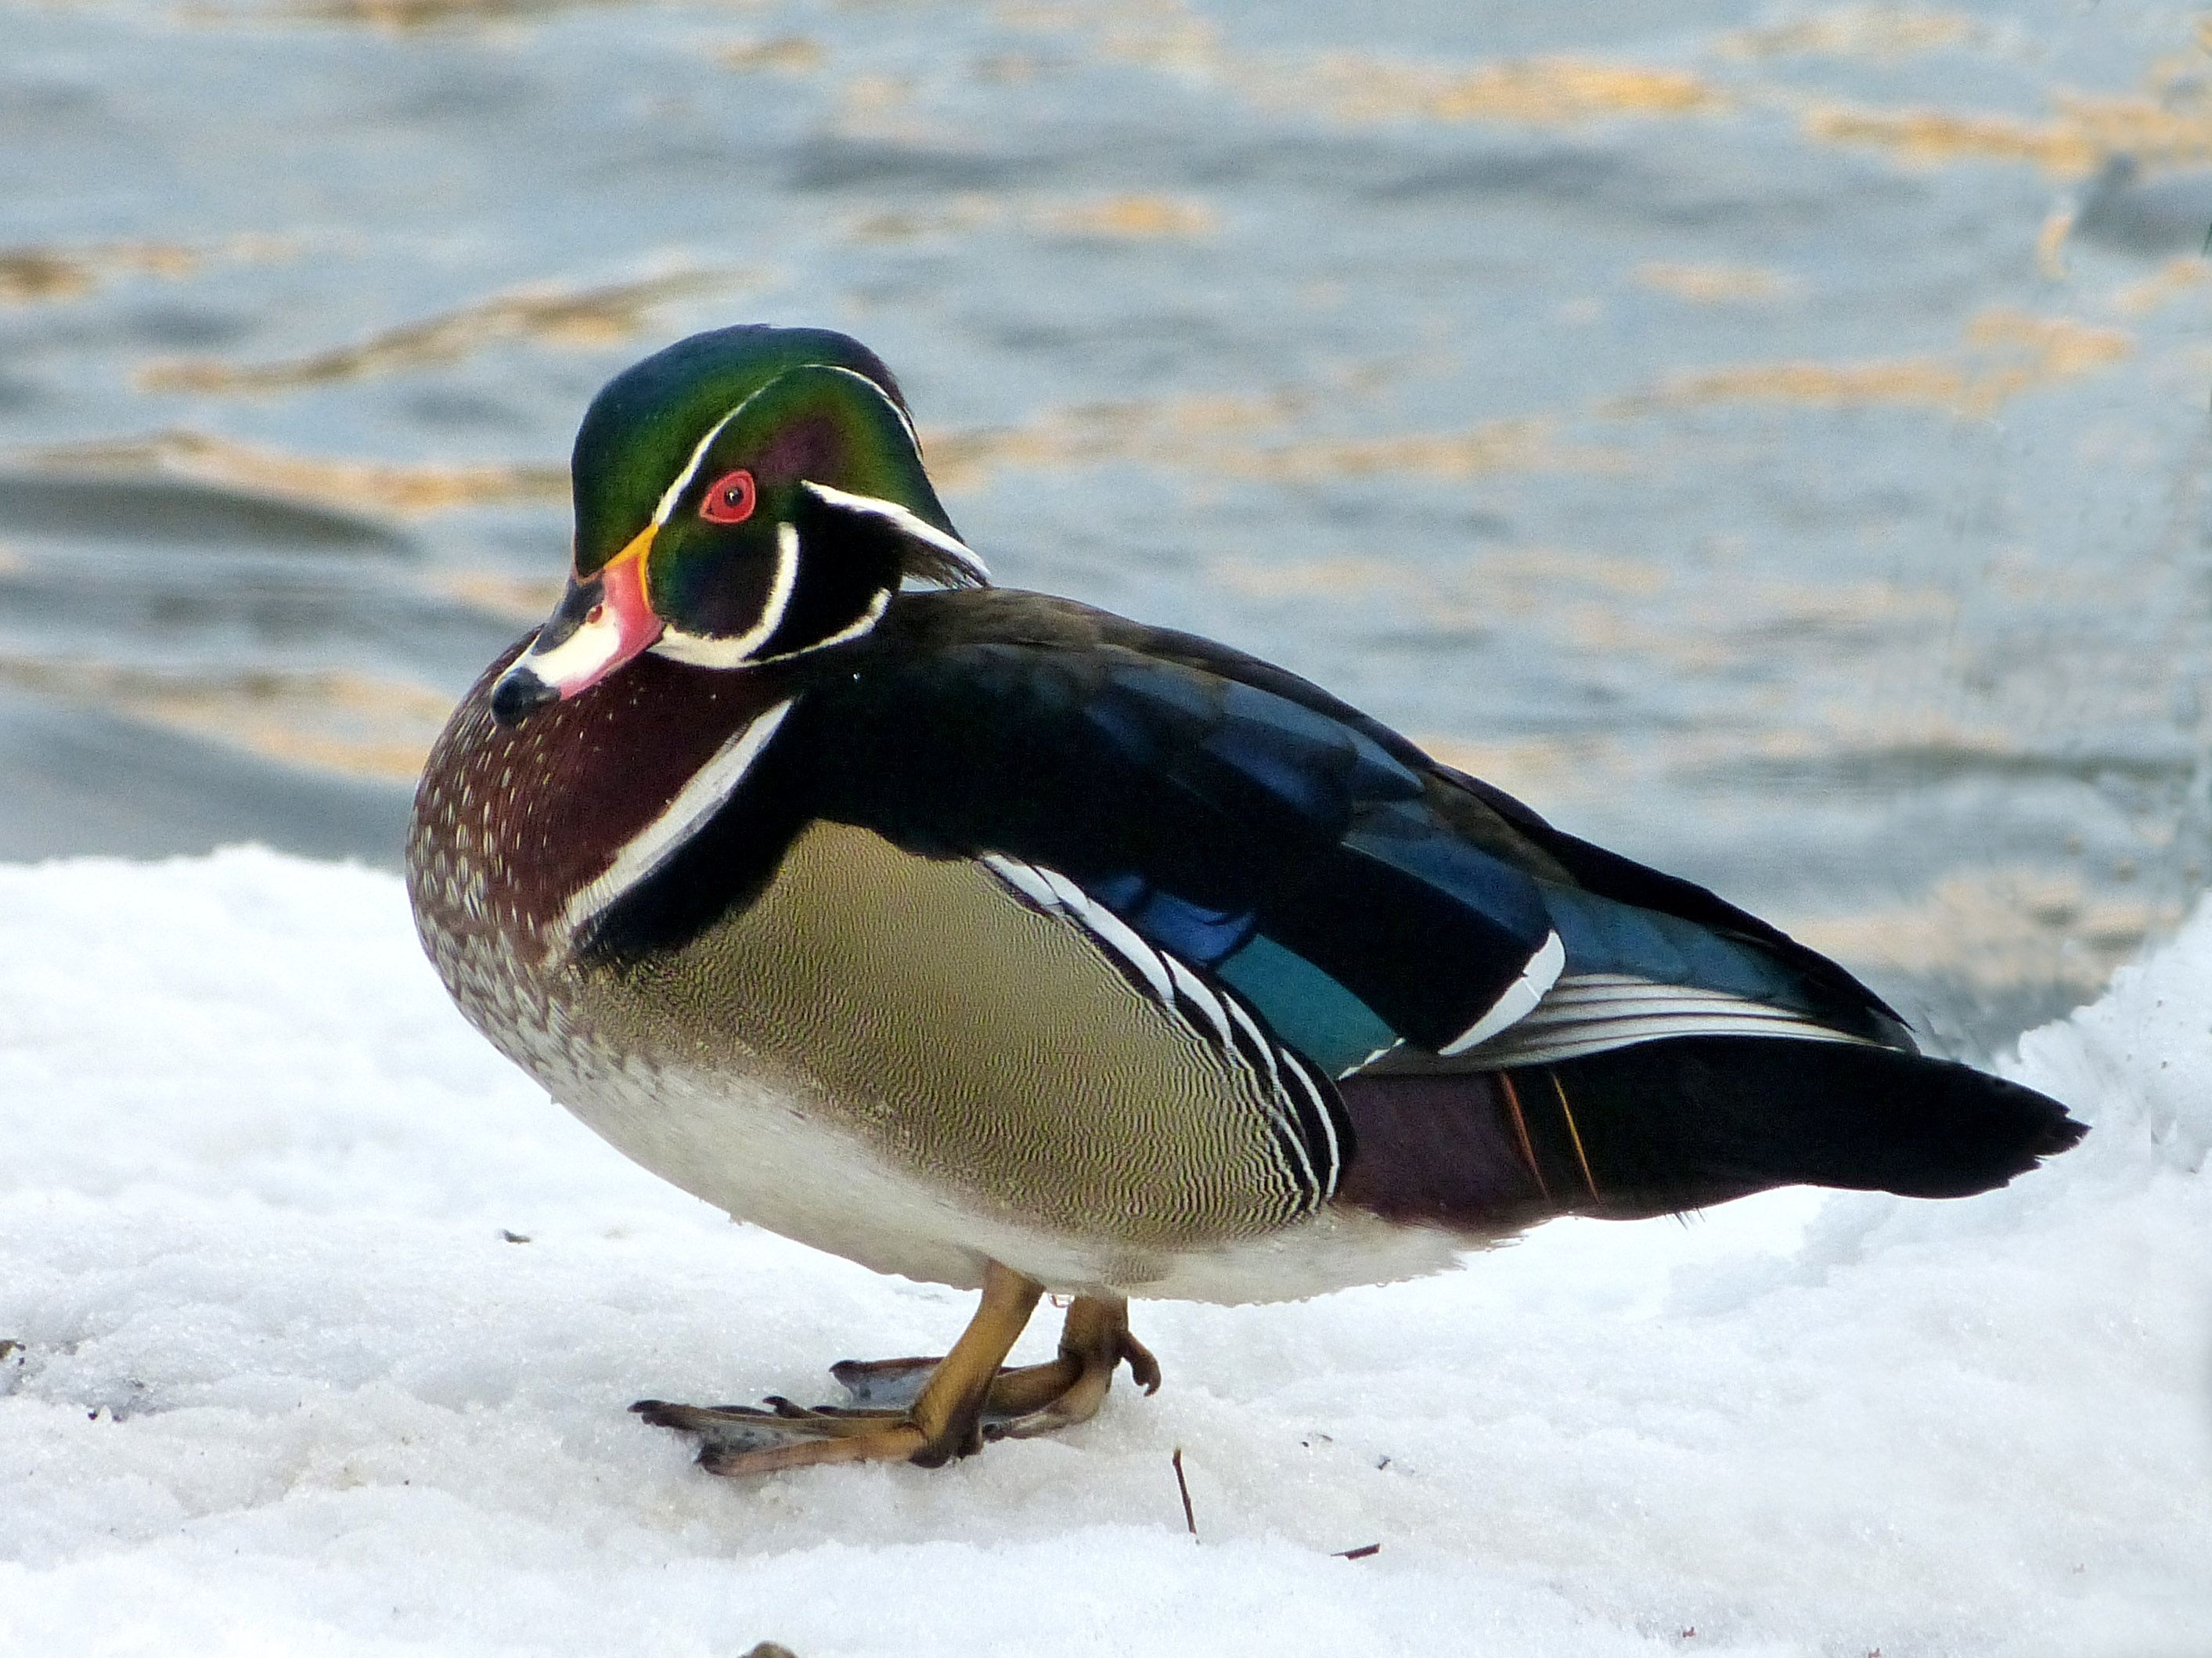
[[746, 496]]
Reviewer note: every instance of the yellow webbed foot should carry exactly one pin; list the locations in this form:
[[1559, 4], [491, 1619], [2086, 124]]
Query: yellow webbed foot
[[930, 1411]]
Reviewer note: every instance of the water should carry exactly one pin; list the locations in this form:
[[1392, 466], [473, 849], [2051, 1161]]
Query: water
[[1770, 441]]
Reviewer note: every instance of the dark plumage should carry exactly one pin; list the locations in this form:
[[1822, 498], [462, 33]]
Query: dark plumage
[[985, 937]]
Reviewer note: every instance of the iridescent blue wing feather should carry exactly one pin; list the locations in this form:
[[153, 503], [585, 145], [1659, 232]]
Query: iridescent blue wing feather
[[1264, 841]]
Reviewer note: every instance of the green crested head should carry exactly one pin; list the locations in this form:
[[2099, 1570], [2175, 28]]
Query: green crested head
[[748, 493], [641, 430]]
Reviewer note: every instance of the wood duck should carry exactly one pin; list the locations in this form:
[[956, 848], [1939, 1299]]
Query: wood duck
[[994, 940]]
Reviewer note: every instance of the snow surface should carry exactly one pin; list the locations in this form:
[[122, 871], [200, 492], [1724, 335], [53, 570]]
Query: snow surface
[[285, 1387]]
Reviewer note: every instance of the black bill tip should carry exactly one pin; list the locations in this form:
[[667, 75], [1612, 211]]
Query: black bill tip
[[518, 692]]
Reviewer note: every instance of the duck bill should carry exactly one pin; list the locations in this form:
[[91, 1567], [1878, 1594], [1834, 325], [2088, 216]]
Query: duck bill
[[601, 623]]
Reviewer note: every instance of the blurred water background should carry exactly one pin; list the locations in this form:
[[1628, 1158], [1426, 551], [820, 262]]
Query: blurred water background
[[1771, 441]]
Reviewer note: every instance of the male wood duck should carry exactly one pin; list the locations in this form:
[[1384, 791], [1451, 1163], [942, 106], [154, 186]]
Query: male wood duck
[[994, 940]]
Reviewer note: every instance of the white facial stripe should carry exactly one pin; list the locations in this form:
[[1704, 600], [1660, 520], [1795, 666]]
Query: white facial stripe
[[675, 491], [580, 655], [905, 419], [711, 785], [891, 512], [712, 653], [703, 651], [868, 618], [779, 594]]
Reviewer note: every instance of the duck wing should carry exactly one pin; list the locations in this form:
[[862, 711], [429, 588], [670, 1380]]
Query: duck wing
[[1372, 905]]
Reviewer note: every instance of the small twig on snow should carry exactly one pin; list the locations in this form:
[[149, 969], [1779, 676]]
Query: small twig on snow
[[1189, 1520]]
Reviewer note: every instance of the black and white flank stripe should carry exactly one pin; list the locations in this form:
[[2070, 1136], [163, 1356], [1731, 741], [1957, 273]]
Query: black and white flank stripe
[[1302, 1106]]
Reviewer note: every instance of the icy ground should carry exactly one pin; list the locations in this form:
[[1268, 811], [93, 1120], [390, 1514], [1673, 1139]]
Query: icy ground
[[284, 1386]]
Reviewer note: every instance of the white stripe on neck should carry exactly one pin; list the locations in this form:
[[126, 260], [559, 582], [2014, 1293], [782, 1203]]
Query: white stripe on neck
[[708, 790]]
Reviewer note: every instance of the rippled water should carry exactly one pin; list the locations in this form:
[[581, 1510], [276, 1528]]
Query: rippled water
[[1772, 441]]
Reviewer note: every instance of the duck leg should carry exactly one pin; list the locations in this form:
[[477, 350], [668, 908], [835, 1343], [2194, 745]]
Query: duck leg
[[1093, 1341], [944, 1421], [929, 1411], [1034, 1399]]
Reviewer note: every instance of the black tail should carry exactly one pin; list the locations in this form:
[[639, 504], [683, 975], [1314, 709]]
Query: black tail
[[1683, 1124]]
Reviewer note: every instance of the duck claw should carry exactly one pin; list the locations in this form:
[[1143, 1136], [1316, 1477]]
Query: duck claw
[[885, 1383], [726, 1429]]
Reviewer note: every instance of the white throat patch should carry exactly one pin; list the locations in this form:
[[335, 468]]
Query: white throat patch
[[701, 652]]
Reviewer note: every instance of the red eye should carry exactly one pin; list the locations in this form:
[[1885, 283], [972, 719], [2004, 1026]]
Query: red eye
[[731, 501]]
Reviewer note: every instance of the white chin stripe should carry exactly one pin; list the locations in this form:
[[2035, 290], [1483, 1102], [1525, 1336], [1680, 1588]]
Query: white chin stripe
[[709, 788], [703, 651], [578, 659], [1519, 998], [851, 630], [907, 521]]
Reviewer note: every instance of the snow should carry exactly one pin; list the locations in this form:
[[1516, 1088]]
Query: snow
[[283, 1386]]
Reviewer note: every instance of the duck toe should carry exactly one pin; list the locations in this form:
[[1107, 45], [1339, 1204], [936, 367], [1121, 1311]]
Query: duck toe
[[740, 1440], [890, 1417]]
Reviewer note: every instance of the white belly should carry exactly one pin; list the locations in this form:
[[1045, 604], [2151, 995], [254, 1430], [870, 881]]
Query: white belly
[[764, 1156]]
